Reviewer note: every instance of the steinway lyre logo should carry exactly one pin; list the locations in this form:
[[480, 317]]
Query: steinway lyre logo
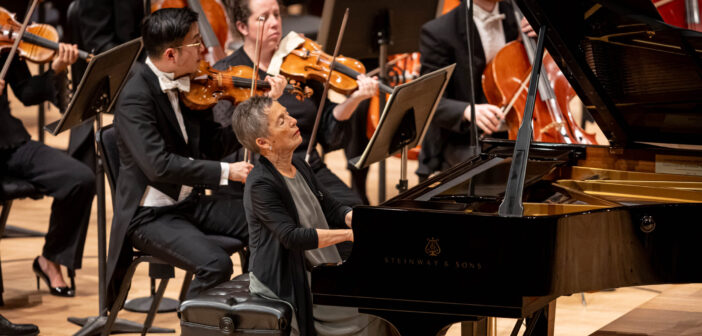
[[432, 249]]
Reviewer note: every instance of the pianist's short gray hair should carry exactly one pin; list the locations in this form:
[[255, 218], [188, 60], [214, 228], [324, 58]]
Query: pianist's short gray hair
[[250, 121]]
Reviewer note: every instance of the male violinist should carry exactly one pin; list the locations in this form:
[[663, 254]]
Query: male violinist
[[443, 42], [168, 155]]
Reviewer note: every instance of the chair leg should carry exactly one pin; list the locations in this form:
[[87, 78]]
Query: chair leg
[[121, 296], [186, 285], [154, 306], [2, 287], [6, 205]]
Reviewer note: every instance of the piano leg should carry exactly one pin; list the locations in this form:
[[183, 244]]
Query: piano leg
[[476, 328], [540, 323]]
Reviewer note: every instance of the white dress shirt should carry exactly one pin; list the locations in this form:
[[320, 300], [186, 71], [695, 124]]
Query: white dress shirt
[[152, 196], [490, 28]]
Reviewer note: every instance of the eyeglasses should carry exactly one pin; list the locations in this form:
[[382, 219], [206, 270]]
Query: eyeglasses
[[196, 44]]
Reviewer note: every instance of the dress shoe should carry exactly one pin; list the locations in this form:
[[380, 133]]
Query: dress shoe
[[57, 291], [9, 328]]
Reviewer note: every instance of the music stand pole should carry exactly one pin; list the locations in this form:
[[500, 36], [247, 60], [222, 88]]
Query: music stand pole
[[383, 39], [402, 185]]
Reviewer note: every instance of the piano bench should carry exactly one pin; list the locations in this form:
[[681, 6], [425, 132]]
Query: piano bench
[[229, 309]]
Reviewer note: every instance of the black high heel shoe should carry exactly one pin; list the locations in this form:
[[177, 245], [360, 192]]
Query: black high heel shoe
[[57, 291]]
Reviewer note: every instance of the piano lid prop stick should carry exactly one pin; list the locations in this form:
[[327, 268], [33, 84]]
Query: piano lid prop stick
[[512, 203], [320, 108]]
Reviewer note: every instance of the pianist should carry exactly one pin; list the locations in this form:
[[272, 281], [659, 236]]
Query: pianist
[[293, 222]]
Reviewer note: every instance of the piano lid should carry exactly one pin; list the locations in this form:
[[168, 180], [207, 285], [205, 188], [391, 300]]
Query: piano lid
[[640, 78]]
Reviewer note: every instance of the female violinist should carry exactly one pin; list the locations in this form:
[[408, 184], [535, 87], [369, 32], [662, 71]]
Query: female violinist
[[70, 182], [244, 14]]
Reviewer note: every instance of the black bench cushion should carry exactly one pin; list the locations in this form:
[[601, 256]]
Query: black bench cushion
[[229, 309]]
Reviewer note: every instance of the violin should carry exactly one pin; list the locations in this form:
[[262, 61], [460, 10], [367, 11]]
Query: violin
[[209, 85], [681, 13], [309, 62], [39, 42]]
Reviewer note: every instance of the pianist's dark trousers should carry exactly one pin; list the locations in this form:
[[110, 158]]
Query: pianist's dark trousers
[[176, 235], [70, 183]]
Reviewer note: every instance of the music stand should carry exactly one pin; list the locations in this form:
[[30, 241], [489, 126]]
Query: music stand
[[96, 94], [379, 28], [405, 120]]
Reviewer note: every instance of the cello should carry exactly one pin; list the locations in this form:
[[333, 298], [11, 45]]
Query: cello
[[681, 13], [505, 82]]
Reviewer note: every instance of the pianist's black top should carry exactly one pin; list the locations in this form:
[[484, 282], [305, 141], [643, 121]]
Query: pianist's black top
[[277, 241]]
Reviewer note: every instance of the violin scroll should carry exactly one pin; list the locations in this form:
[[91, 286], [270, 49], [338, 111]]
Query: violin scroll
[[301, 92]]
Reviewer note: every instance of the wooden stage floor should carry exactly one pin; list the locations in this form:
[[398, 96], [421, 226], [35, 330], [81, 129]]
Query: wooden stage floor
[[25, 304]]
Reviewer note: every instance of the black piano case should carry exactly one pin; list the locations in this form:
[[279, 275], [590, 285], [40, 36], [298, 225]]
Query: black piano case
[[229, 309]]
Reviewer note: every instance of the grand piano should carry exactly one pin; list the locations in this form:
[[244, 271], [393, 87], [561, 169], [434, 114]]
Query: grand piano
[[594, 217]]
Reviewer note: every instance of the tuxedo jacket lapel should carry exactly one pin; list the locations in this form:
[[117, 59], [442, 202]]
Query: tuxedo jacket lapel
[[164, 106], [478, 52], [510, 25]]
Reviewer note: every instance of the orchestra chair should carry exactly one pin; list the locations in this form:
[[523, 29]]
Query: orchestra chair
[[12, 188], [107, 143]]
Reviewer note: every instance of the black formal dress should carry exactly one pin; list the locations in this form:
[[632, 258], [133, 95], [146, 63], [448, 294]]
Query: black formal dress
[[443, 42], [100, 26], [153, 152], [69, 182], [332, 133], [278, 241]]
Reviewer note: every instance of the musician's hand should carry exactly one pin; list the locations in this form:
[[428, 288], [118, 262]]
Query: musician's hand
[[526, 28], [367, 87], [348, 217], [238, 171], [277, 86], [67, 55], [488, 117], [2, 86]]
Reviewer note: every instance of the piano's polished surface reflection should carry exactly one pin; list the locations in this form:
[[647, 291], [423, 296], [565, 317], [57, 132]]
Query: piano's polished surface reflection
[[594, 217]]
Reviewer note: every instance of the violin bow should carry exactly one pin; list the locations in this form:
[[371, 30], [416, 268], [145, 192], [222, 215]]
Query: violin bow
[[11, 55], [320, 108], [254, 75], [259, 46]]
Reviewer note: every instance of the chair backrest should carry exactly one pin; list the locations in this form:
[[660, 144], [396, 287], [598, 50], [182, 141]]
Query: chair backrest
[[107, 143]]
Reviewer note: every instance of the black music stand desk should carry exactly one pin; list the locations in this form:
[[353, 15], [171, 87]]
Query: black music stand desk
[[405, 120]]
